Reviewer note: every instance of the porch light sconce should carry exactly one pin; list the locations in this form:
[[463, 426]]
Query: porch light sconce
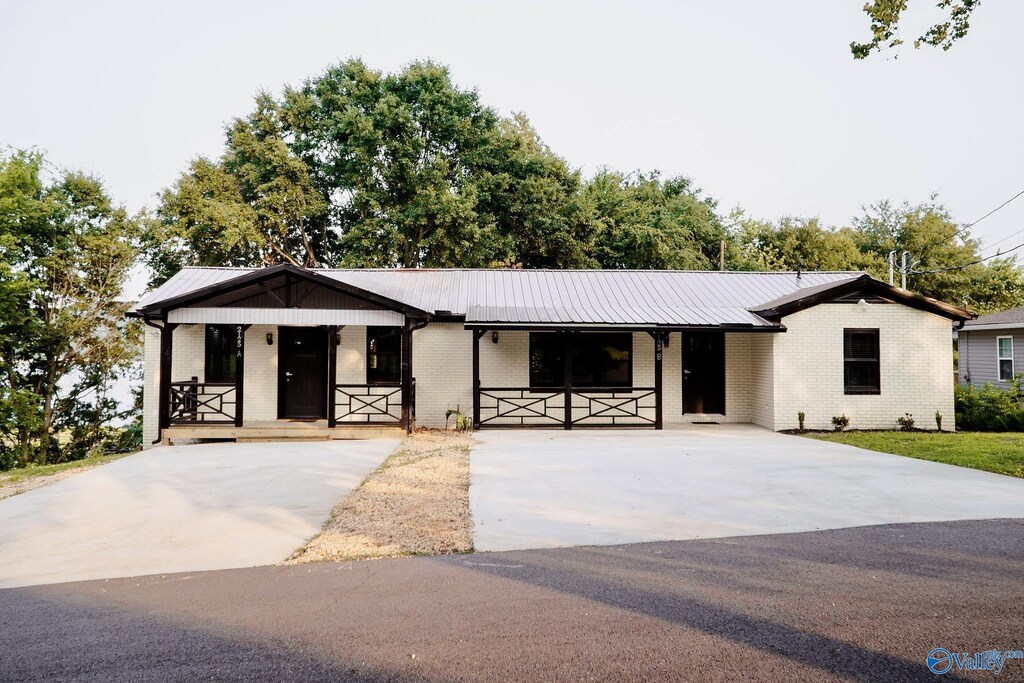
[[494, 336], [270, 338]]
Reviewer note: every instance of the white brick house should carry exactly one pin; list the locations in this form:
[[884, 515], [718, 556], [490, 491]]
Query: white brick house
[[229, 350]]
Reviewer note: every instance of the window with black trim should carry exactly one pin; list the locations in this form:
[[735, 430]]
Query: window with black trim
[[383, 355], [221, 353], [598, 359], [861, 365]]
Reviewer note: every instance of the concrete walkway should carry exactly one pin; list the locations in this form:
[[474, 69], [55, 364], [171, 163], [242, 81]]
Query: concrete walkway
[[183, 508], [540, 489]]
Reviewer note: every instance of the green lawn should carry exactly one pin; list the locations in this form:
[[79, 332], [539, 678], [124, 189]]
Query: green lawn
[[23, 473], [999, 452]]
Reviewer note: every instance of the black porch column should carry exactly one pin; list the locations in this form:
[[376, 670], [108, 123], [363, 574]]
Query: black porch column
[[659, 344], [407, 375], [476, 377], [166, 342], [567, 377], [239, 372], [332, 374]]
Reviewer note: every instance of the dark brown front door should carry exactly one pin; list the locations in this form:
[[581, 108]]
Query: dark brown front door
[[704, 372], [302, 389]]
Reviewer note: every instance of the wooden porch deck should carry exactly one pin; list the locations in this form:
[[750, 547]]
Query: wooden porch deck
[[278, 430]]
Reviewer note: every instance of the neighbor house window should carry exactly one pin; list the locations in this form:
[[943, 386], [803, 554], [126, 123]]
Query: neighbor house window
[[221, 353], [861, 371], [383, 355], [1004, 356], [601, 360]]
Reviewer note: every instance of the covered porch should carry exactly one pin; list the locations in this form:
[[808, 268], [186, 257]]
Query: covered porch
[[279, 356]]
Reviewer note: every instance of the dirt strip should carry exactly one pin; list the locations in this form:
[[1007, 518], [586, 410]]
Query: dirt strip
[[415, 503]]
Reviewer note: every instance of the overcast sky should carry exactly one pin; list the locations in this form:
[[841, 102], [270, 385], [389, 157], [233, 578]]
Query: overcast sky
[[759, 102]]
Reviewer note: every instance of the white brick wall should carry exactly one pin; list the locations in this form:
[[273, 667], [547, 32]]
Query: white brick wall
[[916, 368], [762, 386], [442, 363]]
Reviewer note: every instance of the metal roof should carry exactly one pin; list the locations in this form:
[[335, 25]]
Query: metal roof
[[612, 297]]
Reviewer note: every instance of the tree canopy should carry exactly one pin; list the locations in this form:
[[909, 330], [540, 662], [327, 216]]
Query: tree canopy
[[65, 253]]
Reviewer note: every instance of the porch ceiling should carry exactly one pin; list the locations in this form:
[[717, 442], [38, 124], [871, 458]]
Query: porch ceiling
[[234, 315]]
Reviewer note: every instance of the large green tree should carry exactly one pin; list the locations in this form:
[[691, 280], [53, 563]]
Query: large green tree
[[65, 253]]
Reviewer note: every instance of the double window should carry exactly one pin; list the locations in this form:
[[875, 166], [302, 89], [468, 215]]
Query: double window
[[1004, 356], [596, 360], [383, 355], [221, 352], [861, 369]]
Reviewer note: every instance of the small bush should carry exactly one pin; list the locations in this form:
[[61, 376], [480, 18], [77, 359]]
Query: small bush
[[938, 420], [840, 422], [461, 421], [906, 422], [800, 419]]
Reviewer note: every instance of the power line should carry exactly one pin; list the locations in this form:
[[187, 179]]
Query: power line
[[924, 250], [971, 263], [1003, 239]]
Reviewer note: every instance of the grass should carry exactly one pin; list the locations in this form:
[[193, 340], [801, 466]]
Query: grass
[[999, 452], [33, 471]]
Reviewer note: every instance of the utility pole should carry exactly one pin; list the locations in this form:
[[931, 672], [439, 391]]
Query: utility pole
[[721, 255], [891, 260], [904, 269]]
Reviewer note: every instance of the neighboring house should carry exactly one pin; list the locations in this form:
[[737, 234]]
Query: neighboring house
[[229, 350], [992, 348]]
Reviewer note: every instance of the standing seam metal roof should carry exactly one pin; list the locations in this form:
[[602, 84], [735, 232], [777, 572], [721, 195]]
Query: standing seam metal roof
[[623, 297]]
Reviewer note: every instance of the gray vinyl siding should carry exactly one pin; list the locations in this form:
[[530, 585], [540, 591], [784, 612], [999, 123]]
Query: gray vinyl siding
[[978, 364]]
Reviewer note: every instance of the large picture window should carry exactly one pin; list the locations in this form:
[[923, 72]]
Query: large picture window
[[383, 355], [221, 353], [599, 360], [1004, 356], [861, 369]]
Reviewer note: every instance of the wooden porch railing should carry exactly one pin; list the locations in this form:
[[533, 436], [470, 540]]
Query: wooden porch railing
[[377, 404], [575, 407], [195, 402]]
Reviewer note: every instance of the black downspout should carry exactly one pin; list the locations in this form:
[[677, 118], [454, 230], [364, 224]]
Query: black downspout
[[407, 379], [164, 383]]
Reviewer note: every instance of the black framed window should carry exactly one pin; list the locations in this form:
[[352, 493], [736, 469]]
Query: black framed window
[[598, 359], [383, 355], [221, 353], [861, 366]]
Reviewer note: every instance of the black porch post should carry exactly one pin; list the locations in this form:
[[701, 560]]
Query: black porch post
[[332, 374], [659, 344], [166, 342], [567, 377], [407, 375], [239, 372], [476, 377]]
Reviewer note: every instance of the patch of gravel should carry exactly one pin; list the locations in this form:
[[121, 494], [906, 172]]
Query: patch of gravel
[[415, 503]]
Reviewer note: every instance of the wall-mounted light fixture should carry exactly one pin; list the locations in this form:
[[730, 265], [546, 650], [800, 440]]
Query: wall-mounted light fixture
[[270, 338], [494, 336]]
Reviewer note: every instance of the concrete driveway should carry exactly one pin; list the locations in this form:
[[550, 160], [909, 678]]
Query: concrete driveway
[[539, 489], [183, 508]]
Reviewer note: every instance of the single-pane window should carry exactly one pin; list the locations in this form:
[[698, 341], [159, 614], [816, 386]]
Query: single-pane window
[[383, 355], [1004, 354], [861, 371], [598, 360], [221, 352]]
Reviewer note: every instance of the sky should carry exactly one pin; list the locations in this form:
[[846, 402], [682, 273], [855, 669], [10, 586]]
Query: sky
[[759, 102]]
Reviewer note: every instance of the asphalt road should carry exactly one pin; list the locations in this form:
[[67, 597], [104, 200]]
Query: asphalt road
[[864, 604]]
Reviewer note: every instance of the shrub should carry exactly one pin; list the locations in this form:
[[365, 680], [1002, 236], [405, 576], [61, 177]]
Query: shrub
[[990, 408], [800, 419], [840, 422], [906, 422], [938, 420], [461, 421]]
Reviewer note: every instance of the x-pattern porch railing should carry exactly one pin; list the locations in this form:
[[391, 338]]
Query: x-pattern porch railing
[[193, 402], [586, 407], [368, 403]]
